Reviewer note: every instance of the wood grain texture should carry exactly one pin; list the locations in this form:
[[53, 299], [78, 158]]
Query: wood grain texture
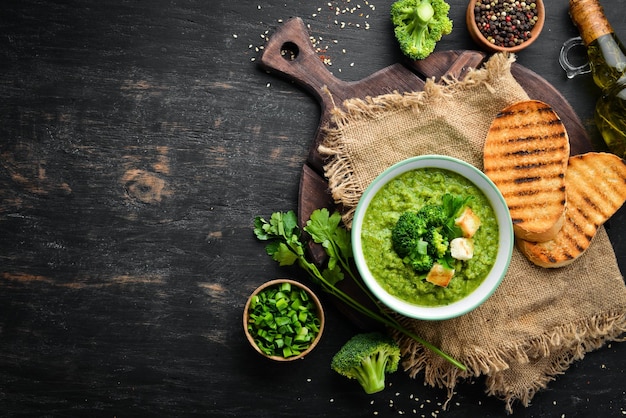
[[137, 142]]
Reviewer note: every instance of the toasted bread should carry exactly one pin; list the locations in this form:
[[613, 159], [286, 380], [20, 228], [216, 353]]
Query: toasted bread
[[596, 189], [525, 155]]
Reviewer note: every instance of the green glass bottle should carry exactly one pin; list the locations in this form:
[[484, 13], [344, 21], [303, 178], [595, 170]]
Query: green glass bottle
[[607, 60]]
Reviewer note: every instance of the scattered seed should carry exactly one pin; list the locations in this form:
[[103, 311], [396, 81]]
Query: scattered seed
[[338, 8]]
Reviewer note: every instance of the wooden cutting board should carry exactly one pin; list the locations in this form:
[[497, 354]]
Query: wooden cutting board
[[289, 54]]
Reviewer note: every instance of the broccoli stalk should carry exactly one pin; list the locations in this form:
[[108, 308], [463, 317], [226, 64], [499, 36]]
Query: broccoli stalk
[[419, 25], [367, 358], [418, 18]]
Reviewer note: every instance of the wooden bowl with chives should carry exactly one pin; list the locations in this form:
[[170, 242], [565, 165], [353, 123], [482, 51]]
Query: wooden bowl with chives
[[283, 320]]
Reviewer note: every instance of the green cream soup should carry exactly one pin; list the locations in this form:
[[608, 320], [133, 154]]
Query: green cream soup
[[411, 191]]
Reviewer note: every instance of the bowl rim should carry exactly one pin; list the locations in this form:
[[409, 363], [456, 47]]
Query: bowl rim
[[316, 301], [505, 238], [478, 37]]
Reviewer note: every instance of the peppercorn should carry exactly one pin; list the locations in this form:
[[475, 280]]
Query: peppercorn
[[505, 23]]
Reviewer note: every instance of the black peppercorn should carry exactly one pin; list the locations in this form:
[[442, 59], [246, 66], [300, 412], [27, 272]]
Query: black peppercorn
[[505, 23]]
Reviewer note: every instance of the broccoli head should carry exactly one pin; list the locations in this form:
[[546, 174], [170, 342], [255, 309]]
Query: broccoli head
[[433, 215], [407, 232], [422, 238], [419, 25], [419, 261], [367, 357], [416, 238], [438, 243]]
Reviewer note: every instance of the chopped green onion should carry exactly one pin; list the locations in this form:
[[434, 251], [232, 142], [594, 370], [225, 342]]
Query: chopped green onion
[[283, 321], [302, 316]]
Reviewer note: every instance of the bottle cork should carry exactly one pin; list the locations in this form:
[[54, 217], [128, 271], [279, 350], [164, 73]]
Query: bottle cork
[[589, 17]]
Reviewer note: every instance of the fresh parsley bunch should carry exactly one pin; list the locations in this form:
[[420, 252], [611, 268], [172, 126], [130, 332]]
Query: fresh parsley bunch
[[287, 246]]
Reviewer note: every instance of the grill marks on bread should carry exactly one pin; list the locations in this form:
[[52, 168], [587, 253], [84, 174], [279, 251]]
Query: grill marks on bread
[[525, 155], [596, 189], [557, 203]]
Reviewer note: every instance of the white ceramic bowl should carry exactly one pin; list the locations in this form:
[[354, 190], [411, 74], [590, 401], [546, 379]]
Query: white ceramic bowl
[[505, 239]]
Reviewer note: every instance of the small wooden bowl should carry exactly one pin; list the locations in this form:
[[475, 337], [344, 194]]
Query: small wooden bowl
[[320, 315], [485, 44]]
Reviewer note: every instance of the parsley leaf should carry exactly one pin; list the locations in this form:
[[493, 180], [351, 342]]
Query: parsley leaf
[[325, 230]]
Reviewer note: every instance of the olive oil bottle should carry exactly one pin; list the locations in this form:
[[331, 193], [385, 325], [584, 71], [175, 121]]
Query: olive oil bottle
[[607, 59]]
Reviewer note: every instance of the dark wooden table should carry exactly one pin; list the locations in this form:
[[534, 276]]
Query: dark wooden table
[[138, 140]]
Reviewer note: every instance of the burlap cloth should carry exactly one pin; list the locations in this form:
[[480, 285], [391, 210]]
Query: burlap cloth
[[539, 320]]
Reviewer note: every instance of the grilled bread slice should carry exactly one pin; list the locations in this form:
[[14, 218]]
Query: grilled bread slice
[[525, 155], [596, 189]]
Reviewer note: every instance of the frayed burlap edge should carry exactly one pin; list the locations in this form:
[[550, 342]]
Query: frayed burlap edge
[[561, 347], [339, 168]]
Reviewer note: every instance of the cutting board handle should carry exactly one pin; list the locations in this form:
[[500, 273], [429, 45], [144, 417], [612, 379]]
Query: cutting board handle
[[290, 53]]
